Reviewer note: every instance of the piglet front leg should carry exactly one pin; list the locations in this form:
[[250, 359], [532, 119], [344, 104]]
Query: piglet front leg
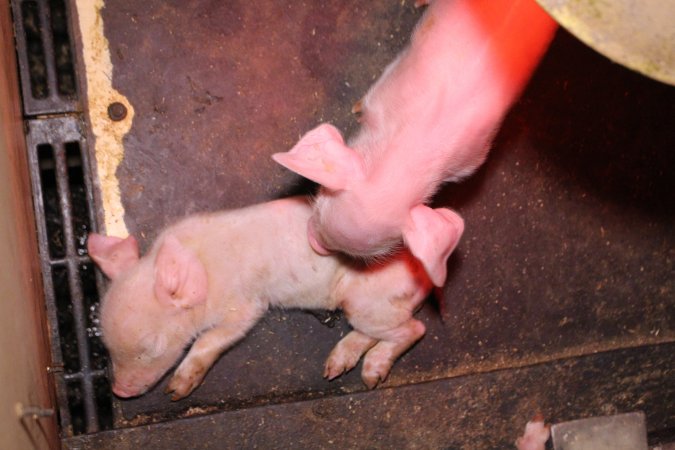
[[203, 354]]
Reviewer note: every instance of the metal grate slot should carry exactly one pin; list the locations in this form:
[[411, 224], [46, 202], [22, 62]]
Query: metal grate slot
[[63, 59], [45, 58], [76, 408], [78, 197], [64, 311], [63, 202], [37, 67], [50, 201], [98, 354]]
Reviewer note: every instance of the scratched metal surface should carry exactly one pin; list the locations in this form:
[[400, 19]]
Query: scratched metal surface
[[569, 243]]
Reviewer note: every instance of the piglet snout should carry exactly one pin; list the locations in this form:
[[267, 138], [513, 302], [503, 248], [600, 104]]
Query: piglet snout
[[125, 390], [131, 386]]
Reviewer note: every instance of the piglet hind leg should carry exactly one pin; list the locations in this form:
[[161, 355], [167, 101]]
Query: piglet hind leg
[[392, 344], [347, 353], [379, 304], [202, 355]]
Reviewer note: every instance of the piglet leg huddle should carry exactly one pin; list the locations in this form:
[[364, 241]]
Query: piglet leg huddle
[[382, 332], [203, 353]]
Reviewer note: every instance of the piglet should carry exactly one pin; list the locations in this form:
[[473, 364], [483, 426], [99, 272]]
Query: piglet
[[535, 436], [211, 277], [429, 118]]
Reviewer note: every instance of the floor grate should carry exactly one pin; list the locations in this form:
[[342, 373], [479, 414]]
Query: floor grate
[[63, 205], [64, 209], [46, 66]]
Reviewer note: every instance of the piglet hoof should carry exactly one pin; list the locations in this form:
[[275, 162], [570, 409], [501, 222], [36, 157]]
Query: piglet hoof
[[182, 383], [177, 389], [536, 434], [346, 354], [374, 374], [420, 3], [371, 381], [330, 372], [174, 396], [337, 364]]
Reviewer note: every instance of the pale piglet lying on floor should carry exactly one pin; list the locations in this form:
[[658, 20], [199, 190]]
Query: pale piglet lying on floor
[[429, 118], [211, 277]]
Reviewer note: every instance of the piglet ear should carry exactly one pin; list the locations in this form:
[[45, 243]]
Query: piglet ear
[[112, 254], [180, 277], [432, 235], [322, 156]]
